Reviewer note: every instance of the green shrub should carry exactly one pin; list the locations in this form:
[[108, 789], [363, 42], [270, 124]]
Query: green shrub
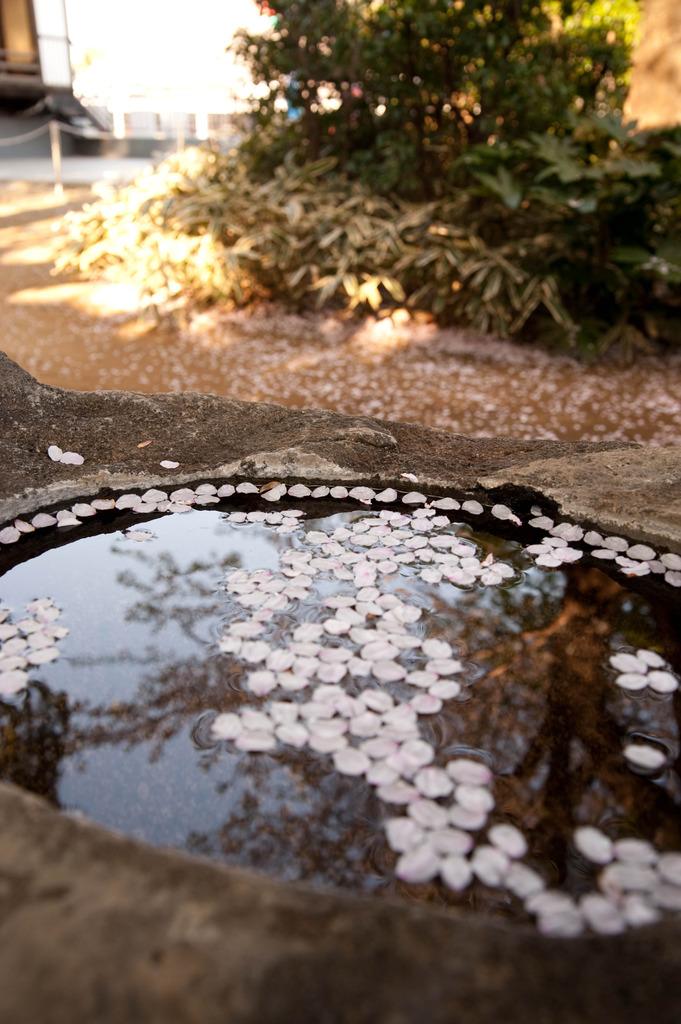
[[573, 240]]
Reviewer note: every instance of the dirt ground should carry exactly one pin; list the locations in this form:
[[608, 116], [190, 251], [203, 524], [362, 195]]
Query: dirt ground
[[89, 336]]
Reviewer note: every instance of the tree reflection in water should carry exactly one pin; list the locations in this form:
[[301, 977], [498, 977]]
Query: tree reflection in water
[[538, 705]]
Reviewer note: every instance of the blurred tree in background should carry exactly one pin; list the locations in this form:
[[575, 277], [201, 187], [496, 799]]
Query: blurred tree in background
[[396, 90], [655, 96]]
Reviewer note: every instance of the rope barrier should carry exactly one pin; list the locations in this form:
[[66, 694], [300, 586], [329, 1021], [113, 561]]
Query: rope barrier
[[15, 139]]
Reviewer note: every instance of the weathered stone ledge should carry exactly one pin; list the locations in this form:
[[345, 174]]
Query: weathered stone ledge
[[97, 928], [614, 487]]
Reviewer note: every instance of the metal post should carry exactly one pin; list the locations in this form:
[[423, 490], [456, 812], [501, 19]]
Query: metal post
[[55, 143]]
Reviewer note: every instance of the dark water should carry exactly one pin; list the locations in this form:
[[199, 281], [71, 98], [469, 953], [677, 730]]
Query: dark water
[[119, 727]]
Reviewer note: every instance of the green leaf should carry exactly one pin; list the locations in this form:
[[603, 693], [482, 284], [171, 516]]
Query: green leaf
[[504, 185]]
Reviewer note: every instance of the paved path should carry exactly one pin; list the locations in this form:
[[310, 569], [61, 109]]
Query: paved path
[[76, 170]]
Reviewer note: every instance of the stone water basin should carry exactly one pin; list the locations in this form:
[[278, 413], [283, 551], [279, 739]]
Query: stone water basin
[[382, 699]]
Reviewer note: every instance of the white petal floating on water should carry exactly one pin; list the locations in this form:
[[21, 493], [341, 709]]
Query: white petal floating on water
[[671, 560], [42, 520], [650, 658], [468, 771], [398, 793], [509, 839], [339, 492], [604, 553], [387, 671], [541, 523], [381, 774], [618, 878], [668, 897], [283, 711], [426, 704], [327, 727], [641, 552], [638, 911], [403, 834], [292, 681], [388, 495], [449, 842], [433, 782], [644, 756], [55, 452], [13, 680], [568, 554], [230, 644], [299, 491], [308, 631], [662, 682], [335, 655], [548, 561], [419, 677], [379, 747], [246, 628], [490, 864], [247, 488], [428, 813], [445, 689], [42, 656], [414, 498], [672, 578], [261, 682], [377, 700], [523, 881], [473, 507], [335, 627], [379, 650], [278, 660], [274, 493], [227, 726], [331, 672], [456, 872], [669, 868], [255, 740], [10, 535], [363, 493], [294, 734], [567, 531], [320, 492], [9, 664], [444, 666], [126, 501], [366, 724], [254, 651], [631, 681], [23, 527], [636, 851], [624, 662], [564, 924], [478, 799], [436, 648], [169, 464], [593, 539], [594, 844], [616, 543], [358, 667], [225, 491], [351, 761], [549, 901], [447, 503], [471, 821], [420, 864]]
